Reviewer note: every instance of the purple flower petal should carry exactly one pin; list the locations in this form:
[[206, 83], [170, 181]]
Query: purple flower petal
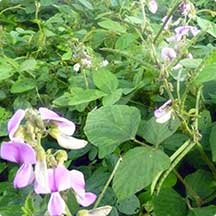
[[163, 113], [87, 199], [24, 176], [18, 152], [77, 182], [64, 125], [152, 6], [168, 54], [78, 186], [56, 205], [15, 121], [62, 178]]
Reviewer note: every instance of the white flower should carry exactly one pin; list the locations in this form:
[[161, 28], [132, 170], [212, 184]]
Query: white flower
[[104, 63], [163, 113], [76, 67]]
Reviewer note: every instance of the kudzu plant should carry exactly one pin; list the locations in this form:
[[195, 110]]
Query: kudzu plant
[[137, 78]]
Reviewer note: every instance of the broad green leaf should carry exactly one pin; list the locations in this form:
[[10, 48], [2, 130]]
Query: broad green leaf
[[22, 85], [205, 211], [191, 63], [78, 96], [207, 26], [28, 65], [169, 203], [110, 126], [207, 72], [201, 182], [129, 206], [138, 169], [112, 98], [175, 141], [112, 26], [6, 70], [86, 4], [125, 41], [155, 133], [212, 141], [105, 81]]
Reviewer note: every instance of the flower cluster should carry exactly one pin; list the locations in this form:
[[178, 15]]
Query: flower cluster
[[45, 174]]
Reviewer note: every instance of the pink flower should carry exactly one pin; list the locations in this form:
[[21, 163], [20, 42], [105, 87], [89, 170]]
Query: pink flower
[[152, 6], [163, 113], [23, 154], [185, 8], [182, 31], [61, 179], [14, 123], [168, 22], [61, 129], [168, 54]]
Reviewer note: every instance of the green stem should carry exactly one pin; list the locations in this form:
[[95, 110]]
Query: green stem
[[189, 188], [107, 183], [11, 8], [139, 142], [206, 159], [167, 19], [142, 3], [126, 54]]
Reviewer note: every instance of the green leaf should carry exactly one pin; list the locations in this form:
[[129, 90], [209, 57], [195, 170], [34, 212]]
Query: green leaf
[[112, 98], [175, 141], [155, 133], [212, 141], [207, 26], [125, 41], [4, 117], [138, 169], [207, 72], [22, 85], [129, 206], [169, 203], [205, 211], [28, 65], [110, 126], [105, 81], [6, 70], [201, 182], [191, 63], [78, 96], [112, 26], [86, 4]]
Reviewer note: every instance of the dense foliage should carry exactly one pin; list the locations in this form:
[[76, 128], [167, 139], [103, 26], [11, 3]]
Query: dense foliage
[[138, 81]]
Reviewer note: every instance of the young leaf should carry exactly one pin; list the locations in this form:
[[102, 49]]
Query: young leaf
[[105, 81], [208, 69], [112, 26], [23, 85], [137, 170], [207, 25]]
